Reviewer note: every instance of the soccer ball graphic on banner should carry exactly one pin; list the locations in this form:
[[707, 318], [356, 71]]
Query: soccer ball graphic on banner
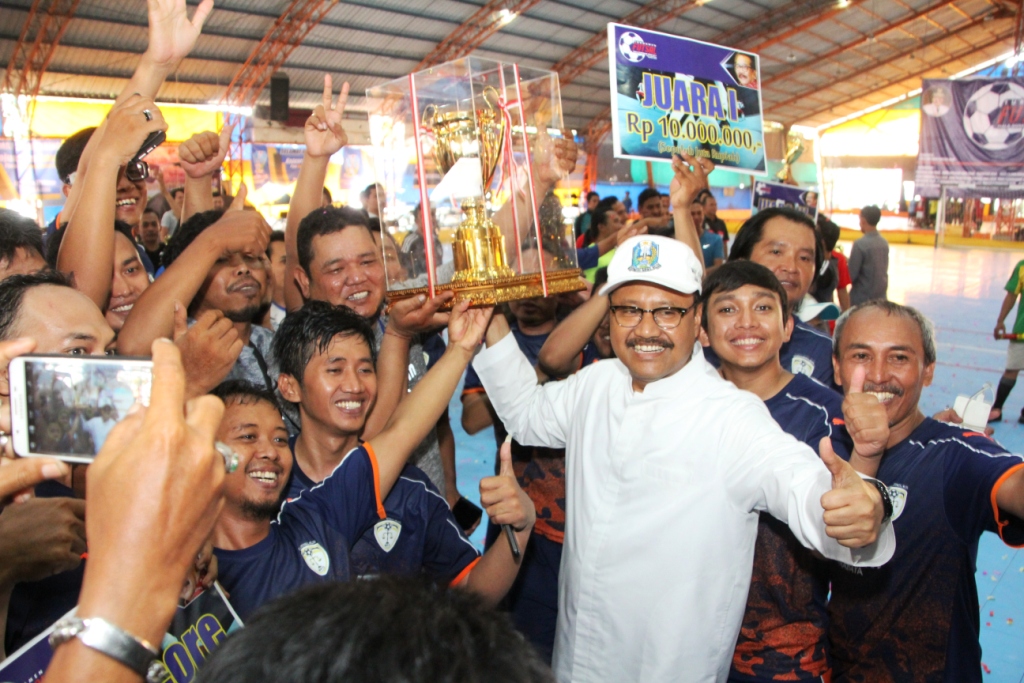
[[626, 42], [994, 116]]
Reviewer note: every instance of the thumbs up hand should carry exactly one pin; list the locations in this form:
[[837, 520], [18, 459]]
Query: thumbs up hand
[[866, 419], [504, 500], [853, 508]]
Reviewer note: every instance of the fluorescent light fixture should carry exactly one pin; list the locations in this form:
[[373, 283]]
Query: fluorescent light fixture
[[506, 16]]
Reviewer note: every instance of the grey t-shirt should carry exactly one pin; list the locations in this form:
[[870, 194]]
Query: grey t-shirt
[[869, 268], [427, 455], [247, 367]]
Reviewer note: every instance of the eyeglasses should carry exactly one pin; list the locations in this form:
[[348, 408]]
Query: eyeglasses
[[666, 317]]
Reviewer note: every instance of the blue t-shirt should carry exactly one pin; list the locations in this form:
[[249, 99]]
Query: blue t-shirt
[[712, 246], [783, 637], [309, 542], [808, 352], [916, 617], [418, 536]]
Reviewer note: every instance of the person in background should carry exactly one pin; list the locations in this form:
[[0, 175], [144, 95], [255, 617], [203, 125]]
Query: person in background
[[836, 281], [869, 260], [583, 222], [278, 269], [21, 245], [68, 155], [1015, 350], [370, 197], [711, 220], [653, 216], [710, 243], [627, 202], [149, 236], [172, 218]]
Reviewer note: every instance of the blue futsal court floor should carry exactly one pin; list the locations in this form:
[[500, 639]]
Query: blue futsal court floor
[[960, 290]]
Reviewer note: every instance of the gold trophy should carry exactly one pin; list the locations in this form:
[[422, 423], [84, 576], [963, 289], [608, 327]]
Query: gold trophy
[[479, 245]]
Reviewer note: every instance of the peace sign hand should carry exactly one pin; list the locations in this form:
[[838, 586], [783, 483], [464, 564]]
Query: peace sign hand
[[324, 134]]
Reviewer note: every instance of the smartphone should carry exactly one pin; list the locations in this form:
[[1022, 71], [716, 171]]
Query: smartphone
[[65, 406], [466, 513]]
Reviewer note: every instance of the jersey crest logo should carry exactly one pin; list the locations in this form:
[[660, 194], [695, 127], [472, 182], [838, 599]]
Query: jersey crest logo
[[645, 257], [316, 557], [387, 531], [802, 365], [898, 495]]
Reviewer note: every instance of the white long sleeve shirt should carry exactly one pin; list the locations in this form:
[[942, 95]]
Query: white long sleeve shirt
[[663, 491]]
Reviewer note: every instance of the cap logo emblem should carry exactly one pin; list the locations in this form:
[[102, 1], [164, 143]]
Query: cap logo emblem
[[645, 257]]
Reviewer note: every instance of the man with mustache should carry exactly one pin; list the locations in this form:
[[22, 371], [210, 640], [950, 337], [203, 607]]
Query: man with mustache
[[917, 618], [663, 487], [746, 321], [217, 270]]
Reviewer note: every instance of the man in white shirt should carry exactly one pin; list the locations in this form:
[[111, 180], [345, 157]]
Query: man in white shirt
[[99, 426], [667, 468]]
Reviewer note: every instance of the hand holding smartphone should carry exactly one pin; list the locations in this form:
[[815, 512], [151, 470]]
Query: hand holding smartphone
[[64, 406]]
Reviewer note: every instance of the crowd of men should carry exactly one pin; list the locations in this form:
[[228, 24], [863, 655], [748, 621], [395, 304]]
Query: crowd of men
[[692, 483]]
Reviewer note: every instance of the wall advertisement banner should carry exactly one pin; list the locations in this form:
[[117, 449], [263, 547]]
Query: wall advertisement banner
[[972, 137]]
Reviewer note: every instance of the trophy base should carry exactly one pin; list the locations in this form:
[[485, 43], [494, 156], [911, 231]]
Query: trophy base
[[475, 277], [500, 290]]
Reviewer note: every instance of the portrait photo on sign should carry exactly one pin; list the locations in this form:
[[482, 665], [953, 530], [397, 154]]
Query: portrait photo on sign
[[936, 101]]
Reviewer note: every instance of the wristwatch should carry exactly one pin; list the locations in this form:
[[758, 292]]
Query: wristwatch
[[102, 636], [883, 491]]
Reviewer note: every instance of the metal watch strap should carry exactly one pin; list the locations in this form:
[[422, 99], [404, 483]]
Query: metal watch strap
[[883, 491], [102, 636]]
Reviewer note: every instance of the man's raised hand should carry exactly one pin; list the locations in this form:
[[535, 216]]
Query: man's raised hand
[[203, 153], [503, 498], [691, 177], [466, 326], [853, 508], [172, 35], [865, 418], [419, 314], [324, 134]]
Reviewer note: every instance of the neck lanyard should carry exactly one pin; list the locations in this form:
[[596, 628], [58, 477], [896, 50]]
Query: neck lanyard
[[263, 367]]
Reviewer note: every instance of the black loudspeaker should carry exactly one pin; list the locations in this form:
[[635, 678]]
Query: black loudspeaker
[[279, 97]]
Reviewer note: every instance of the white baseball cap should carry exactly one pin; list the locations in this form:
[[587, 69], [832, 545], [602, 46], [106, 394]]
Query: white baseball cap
[[656, 260]]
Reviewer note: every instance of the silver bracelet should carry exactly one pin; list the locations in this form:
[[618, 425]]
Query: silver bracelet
[[121, 646]]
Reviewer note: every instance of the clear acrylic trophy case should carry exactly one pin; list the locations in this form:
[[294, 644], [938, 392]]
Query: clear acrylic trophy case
[[473, 139]]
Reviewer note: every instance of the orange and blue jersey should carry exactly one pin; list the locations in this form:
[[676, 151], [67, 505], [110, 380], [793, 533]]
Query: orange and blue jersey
[[808, 352], [311, 539], [417, 536], [917, 617], [784, 631]]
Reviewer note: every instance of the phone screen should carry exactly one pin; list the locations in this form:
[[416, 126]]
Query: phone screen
[[73, 403]]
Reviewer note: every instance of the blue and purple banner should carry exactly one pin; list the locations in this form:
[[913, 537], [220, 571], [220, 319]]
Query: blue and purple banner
[[672, 94], [972, 137], [766, 195]]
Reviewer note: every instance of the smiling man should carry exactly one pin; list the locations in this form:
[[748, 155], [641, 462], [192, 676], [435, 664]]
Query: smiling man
[[746, 321], [667, 469], [216, 261], [351, 498], [786, 242], [917, 619]]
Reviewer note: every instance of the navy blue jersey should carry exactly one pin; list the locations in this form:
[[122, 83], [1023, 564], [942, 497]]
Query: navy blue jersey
[[311, 539], [916, 618], [419, 535], [783, 637], [808, 352]]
